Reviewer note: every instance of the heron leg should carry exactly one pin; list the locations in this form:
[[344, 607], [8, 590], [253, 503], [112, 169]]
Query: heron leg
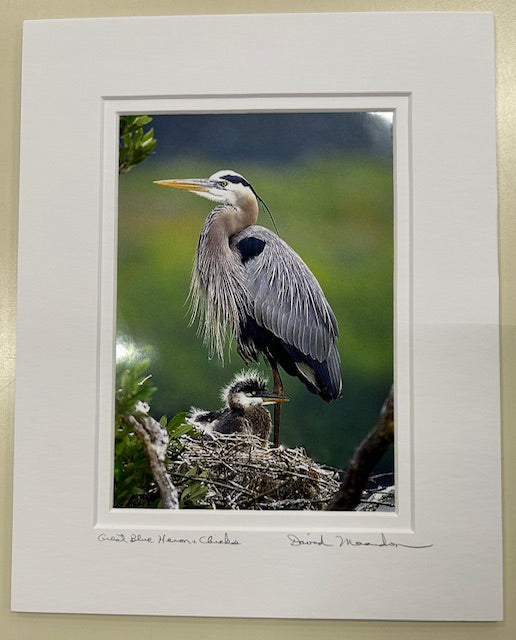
[[278, 389]]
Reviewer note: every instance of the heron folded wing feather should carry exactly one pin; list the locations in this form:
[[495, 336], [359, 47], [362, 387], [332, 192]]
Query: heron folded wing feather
[[285, 296]]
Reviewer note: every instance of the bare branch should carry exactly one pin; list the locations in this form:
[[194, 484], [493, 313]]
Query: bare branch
[[365, 458], [154, 440]]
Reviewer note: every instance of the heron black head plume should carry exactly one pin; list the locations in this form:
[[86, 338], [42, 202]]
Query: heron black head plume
[[268, 211]]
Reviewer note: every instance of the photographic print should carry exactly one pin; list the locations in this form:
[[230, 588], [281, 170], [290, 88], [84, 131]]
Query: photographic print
[[254, 324]]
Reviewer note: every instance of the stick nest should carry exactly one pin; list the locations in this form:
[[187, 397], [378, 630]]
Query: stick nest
[[239, 472]]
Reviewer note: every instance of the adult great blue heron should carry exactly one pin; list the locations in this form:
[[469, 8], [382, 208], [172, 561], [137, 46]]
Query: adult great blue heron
[[244, 410], [248, 280]]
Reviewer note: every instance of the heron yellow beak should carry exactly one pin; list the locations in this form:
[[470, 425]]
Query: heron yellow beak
[[187, 185]]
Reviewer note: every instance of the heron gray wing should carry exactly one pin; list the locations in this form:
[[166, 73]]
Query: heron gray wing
[[285, 295]]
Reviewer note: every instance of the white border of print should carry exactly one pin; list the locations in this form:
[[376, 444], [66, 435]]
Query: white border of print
[[78, 76]]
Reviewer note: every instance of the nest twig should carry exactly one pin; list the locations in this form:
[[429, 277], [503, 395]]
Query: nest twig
[[380, 494], [243, 474]]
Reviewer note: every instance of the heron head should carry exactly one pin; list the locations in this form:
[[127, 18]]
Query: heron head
[[248, 388], [224, 186]]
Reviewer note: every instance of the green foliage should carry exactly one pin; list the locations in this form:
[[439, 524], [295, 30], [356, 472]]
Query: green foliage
[[134, 485], [133, 386], [135, 144], [132, 477], [195, 489]]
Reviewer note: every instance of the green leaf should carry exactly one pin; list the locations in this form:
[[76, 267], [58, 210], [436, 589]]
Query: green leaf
[[135, 144], [176, 421], [181, 430], [141, 121]]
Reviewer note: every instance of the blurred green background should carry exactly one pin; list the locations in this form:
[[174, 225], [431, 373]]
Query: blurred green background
[[328, 181]]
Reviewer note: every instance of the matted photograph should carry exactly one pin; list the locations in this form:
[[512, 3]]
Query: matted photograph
[[258, 318], [254, 324]]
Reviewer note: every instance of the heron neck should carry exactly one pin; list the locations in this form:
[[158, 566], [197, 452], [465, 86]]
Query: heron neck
[[218, 289], [223, 222]]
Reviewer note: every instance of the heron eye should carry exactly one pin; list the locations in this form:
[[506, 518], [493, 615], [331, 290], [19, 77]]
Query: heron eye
[[223, 183]]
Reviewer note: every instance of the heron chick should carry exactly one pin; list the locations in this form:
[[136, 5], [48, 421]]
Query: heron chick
[[244, 411], [248, 282]]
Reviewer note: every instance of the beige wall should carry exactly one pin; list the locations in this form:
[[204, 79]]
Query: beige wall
[[57, 627]]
